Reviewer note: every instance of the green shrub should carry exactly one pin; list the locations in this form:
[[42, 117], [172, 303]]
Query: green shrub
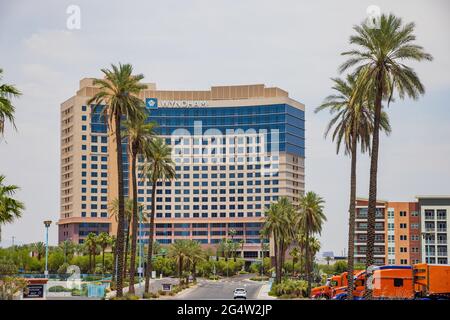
[[129, 296], [150, 295], [59, 289], [288, 287]]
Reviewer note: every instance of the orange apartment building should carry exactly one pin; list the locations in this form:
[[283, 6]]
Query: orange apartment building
[[397, 232]]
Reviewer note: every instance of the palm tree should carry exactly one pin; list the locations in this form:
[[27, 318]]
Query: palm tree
[[114, 211], [118, 93], [294, 253], [310, 222], [196, 255], [139, 134], [232, 232], [353, 122], [39, 249], [380, 64], [91, 246], [10, 208], [112, 244], [7, 110], [279, 225], [159, 167], [67, 247], [179, 250], [103, 240]]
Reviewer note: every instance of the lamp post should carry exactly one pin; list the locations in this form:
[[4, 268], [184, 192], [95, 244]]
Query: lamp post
[[47, 224]]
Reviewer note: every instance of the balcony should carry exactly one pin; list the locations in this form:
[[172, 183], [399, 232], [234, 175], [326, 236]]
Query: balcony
[[441, 229]]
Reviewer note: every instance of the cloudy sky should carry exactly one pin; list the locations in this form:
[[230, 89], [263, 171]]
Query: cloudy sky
[[192, 45]]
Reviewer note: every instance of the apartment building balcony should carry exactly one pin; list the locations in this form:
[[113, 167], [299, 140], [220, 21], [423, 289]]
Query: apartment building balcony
[[441, 229], [442, 253]]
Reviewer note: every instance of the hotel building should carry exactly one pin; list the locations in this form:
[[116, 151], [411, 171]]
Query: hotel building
[[405, 232], [236, 150]]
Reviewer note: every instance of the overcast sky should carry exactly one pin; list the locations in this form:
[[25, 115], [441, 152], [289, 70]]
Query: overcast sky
[[294, 45]]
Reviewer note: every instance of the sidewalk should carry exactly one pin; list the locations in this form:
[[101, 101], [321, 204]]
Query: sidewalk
[[263, 293]]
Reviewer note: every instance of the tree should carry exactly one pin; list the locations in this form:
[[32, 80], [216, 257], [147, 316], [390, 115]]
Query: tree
[[280, 222], [7, 109], [195, 255], [118, 96], [103, 240], [159, 167], [352, 123], [379, 62], [91, 245], [139, 134], [10, 208], [294, 253], [67, 247], [179, 250], [128, 213], [310, 222]]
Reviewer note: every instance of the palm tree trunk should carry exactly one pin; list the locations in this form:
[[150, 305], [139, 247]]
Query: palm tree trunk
[[127, 248], [150, 239], [134, 223], [103, 260], [351, 218], [308, 264], [373, 180], [113, 251], [121, 211], [93, 266], [180, 268]]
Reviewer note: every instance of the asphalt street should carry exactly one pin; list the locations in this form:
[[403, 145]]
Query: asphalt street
[[221, 289]]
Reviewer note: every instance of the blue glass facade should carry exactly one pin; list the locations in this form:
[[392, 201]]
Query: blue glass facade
[[289, 121]]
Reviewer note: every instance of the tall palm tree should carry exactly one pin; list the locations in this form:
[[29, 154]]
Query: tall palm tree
[[7, 110], [10, 208], [118, 93], [352, 123], [112, 244], [139, 134], [103, 240], [280, 227], [159, 167], [379, 61], [91, 246], [310, 221], [128, 213]]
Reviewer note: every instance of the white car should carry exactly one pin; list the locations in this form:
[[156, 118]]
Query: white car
[[240, 293]]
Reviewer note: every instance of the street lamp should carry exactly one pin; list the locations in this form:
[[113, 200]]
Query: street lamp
[[47, 224]]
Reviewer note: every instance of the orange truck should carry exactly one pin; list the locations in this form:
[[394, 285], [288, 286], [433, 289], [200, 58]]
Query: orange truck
[[327, 291], [359, 280], [420, 281]]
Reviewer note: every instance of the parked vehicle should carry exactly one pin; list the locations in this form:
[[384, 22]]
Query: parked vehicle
[[359, 280], [326, 291], [420, 281]]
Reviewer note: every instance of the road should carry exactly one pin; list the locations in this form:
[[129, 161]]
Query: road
[[221, 289]]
